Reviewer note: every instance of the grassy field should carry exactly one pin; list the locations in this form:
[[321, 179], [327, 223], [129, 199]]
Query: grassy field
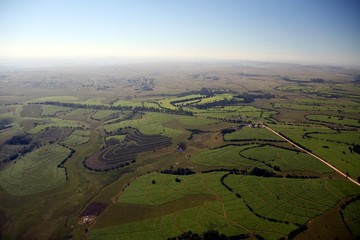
[[352, 217], [158, 189], [338, 154], [117, 137], [251, 133], [153, 123], [123, 103], [77, 137], [54, 122], [36, 171], [290, 200], [346, 137], [50, 110], [244, 113], [227, 213], [334, 120], [287, 160], [56, 99], [117, 166], [224, 157], [103, 115]]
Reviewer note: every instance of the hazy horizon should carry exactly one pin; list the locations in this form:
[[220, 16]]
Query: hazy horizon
[[306, 32]]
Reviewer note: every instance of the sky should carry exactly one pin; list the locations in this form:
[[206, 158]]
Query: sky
[[308, 31]]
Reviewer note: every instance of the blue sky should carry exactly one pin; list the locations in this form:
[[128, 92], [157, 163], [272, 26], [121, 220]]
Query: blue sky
[[314, 31]]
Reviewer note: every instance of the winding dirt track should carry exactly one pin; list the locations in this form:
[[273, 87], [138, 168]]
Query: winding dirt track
[[313, 155]]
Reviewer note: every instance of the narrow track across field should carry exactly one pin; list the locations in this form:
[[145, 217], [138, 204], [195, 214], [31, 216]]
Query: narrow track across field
[[313, 155]]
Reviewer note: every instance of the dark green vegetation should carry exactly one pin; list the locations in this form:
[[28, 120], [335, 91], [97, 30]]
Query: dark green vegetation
[[158, 157]]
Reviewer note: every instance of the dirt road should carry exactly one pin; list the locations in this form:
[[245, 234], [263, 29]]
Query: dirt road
[[313, 155]]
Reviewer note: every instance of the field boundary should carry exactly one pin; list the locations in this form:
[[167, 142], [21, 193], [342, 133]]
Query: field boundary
[[313, 155]]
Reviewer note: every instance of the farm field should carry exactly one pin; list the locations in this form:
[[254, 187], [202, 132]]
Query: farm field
[[246, 133], [153, 151], [77, 137], [338, 154], [36, 171], [232, 214], [351, 215], [334, 120]]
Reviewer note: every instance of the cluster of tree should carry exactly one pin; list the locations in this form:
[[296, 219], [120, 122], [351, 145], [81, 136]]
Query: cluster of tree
[[117, 108], [355, 148], [224, 102], [300, 176], [61, 164], [227, 131], [233, 171], [297, 231], [182, 146], [22, 151], [250, 97], [194, 132], [224, 184], [343, 207], [19, 140], [208, 235], [5, 123], [253, 139], [186, 100], [263, 173], [121, 165], [317, 80], [179, 171]]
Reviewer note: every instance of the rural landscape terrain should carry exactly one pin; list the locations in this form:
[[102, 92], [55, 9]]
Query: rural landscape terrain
[[180, 150]]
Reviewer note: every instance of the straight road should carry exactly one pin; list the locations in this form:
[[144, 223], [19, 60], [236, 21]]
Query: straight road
[[313, 155]]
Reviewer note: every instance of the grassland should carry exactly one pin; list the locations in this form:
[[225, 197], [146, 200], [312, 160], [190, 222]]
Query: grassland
[[50, 110], [54, 122], [131, 134], [153, 123], [334, 120], [103, 115], [287, 160], [226, 213], [77, 137], [246, 133], [338, 154], [36, 171], [351, 215]]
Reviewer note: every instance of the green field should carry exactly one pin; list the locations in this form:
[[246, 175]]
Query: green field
[[287, 160], [54, 122], [224, 157], [352, 217], [334, 120], [78, 140], [51, 110], [299, 200], [251, 133], [124, 103], [117, 137], [104, 114], [290, 200], [153, 123], [56, 99], [164, 189], [77, 137], [338, 154], [36, 171], [244, 113]]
